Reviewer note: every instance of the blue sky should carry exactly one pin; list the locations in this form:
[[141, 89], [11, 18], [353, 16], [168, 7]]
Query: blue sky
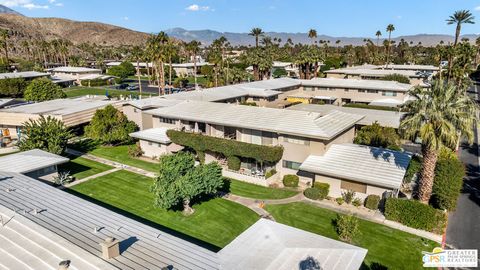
[[335, 18]]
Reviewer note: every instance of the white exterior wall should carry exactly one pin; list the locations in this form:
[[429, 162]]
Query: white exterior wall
[[153, 149], [336, 190]]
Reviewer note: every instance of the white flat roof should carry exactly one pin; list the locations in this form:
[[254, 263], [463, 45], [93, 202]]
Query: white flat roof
[[359, 163], [375, 72], [23, 74], [291, 122], [59, 106], [74, 69], [158, 135], [29, 161], [358, 84], [384, 118], [387, 102], [410, 67], [273, 246], [153, 102]]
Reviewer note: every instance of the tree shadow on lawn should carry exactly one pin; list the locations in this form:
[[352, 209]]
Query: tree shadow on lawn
[[84, 146], [373, 266], [73, 168], [165, 229]]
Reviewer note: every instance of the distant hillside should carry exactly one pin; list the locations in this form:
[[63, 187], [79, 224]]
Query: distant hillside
[[76, 32], [207, 36], [6, 10]]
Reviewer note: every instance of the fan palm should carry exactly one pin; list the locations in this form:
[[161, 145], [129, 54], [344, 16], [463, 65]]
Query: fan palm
[[458, 18], [312, 34], [193, 47], [256, 32], [438, 116], [378, 34], [390, 29], [136, 54]]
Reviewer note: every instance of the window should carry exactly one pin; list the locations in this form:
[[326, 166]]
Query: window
[[309, 88], [267, 138], [372, 91], [389, 94], [166, 120], [291, 164], [361, 91], [346, 90], [296, 140], [357, 187], [134, 110]]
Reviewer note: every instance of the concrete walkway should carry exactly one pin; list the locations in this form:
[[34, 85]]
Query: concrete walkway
[[110, 162], [76, 182]]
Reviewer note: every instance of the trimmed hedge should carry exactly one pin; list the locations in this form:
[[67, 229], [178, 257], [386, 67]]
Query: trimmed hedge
[[323, 188], [312, 193], [290, 180], [233, 163], [415, 214], [372, 201], [270, 173], [226, 147], [449, 174]]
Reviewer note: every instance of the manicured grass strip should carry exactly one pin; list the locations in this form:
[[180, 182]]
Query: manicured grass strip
[[120, 154], [258, 192], [81, 167], [82, 91], [216, 221], [391, 248]]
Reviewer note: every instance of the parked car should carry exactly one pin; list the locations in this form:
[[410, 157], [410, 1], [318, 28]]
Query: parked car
[[133, 87], [122, 86]]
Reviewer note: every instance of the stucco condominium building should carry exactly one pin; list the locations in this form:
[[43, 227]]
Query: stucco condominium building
[[418, 74]]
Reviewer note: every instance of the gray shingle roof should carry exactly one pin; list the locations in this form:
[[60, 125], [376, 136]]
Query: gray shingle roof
[[291, 122], [74, 219], [158, 135], [29, 161], [273, 246], [384, 118], [364, 164]]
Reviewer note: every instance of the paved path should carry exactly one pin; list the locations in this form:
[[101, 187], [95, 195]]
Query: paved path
[[76, 182], [110, 163]]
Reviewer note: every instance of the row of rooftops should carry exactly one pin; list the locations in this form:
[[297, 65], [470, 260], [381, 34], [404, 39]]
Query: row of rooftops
[[412, 71]]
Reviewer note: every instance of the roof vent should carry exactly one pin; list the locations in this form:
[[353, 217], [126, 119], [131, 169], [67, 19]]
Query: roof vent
[[63, 265], [110, 248]]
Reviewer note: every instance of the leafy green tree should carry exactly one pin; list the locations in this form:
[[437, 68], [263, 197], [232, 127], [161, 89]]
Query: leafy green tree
[[179, 181], [110, 126], [378, 136], [439, 116], [45, 133], [122, 71], [13, 87], [397, 78], [42, 90]]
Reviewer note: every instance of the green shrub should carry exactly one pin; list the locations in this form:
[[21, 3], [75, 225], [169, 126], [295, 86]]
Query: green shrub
[[348, 196], [413, 168], [415, 214], [42, 90], [373, 107], [233, 163], [270, 173], [346, 227], [201, 157], [324, 188], [12, 87], [372, 201], [378, 136], [447, 185], [340, 200], [290, 180], [312, 193], [226, 147], [357, 202], [397, 78], [135, 150], [246, 103], [95, 82]]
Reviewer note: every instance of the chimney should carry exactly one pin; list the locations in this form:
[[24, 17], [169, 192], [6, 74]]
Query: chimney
[[63, 265], [110, 248]]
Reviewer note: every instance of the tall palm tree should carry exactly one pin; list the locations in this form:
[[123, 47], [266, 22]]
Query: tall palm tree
[[312, 34], [458, 18], [256, 32], [156, 47], [193, 47], [136, 54], [438, 116], [390, 29], [378, 34]]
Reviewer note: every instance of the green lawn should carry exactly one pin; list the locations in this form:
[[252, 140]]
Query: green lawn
[[258, 192], [114, 153], [82, 91], [216, 221], [391, 248], [81, 167], [200, 80]]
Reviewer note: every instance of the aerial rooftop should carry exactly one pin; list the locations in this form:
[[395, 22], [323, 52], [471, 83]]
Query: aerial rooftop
[[74, 70], [291, 122], [28, 161], [363, 164], [358, 84], [23, 74]]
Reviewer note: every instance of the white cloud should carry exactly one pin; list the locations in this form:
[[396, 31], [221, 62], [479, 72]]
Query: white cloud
[[28, 4], [477, 8], [59, 4], [126, 18], [196, 7]]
